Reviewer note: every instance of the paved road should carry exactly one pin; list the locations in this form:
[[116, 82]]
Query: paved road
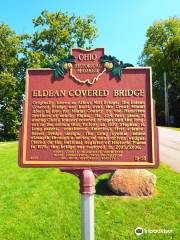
[[169, 147]]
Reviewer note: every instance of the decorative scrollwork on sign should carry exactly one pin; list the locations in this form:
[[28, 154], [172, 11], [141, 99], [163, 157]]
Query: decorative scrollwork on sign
[[62, 66], [113, 65], [110, 64]]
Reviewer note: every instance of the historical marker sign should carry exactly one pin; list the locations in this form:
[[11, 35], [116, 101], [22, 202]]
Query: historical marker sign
[[89, 117]]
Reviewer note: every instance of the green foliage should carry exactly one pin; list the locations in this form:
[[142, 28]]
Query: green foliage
[[55, 34], [10, 47], [8, 106], [162, 52]]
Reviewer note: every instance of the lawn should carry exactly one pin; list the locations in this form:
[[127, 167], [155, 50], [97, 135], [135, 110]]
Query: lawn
[[44, 204], [176, 129]]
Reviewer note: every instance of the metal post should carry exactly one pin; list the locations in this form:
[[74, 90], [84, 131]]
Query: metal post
[[166, 101], [87, 216], [87, 183]]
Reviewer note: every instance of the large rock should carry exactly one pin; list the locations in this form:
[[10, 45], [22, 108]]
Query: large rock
[[133, 182]]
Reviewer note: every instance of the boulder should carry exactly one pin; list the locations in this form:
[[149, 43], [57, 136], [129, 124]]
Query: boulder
[[132, 182]]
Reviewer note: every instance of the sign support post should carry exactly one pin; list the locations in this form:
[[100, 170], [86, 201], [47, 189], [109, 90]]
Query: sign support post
[[87, 189]]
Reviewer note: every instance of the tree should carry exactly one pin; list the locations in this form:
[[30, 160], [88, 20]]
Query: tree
[[162, 53], [55, 34], [9, 107], [10, 48]]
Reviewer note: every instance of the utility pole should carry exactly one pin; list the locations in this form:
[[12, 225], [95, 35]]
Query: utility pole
[[166, 101]]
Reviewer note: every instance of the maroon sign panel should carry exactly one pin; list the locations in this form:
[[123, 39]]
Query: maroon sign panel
[[89, 118]]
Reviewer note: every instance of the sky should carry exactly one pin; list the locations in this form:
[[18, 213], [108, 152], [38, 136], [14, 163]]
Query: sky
[[122, 25]]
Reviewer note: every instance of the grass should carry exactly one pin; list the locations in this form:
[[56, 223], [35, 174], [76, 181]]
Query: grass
[[44, 204], [176, 129]]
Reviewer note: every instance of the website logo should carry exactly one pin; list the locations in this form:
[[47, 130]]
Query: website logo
[[139, 231]]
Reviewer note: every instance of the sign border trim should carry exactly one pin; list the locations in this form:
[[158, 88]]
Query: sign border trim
[[90, 163]]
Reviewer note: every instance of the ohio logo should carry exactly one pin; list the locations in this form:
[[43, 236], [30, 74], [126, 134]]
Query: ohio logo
[[88, 67]]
